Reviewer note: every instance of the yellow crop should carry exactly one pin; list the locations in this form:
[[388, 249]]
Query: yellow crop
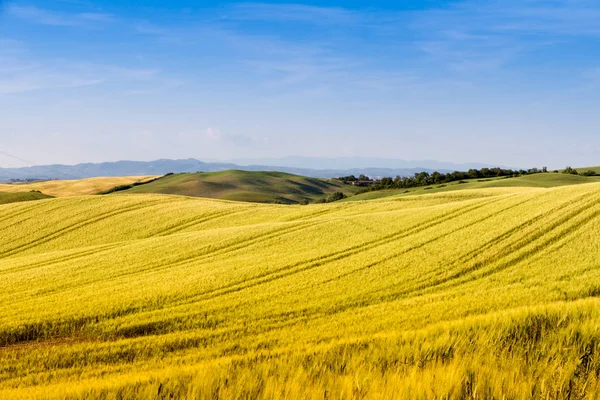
[[79, 187], [488, 293]]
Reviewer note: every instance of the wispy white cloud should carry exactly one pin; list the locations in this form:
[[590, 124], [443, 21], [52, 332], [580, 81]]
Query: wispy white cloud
[[511, 16], [213, 133], [138, 74], [216, 135], [588, 84], [46, 17], [292, 12], [22, 75], [39, 81], [488, 34], [278, 60], [464, 38], [155, 86], [471, 54], [148, 28], [292, 71], [98, 17], [11, 47]]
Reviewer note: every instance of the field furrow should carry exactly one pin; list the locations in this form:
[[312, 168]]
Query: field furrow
[[128, 295]]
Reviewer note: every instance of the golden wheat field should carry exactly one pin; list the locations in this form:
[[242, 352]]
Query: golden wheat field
[[474, 294], [79, 187]]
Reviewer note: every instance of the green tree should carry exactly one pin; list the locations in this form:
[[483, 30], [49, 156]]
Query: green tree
[[334, 197], [387, 182]]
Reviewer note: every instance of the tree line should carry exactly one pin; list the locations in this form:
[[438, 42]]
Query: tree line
[[437, 178]]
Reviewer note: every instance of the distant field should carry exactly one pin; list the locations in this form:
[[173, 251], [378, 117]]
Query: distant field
[[6, 198], [272, 187], [257, 187], [545, 180], [595, 169], [472, 294], [79, 187]]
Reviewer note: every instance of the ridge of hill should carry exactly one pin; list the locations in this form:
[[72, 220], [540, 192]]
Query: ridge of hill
[[249, 186], [269, 186], [482, 293], [17, 197], [164, 166], [541, 180], [77, 187]]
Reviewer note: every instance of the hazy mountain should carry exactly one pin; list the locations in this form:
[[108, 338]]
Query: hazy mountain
[[322, 168], [347, 163]]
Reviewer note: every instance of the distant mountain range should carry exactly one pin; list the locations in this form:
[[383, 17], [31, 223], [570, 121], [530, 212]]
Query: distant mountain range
[[319, 168], [349, 163]]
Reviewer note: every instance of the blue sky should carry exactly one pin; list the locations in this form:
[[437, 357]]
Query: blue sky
[[501, 82]]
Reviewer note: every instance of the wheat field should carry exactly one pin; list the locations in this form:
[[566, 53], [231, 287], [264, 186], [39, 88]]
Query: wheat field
[[474, 294], [78, 187]]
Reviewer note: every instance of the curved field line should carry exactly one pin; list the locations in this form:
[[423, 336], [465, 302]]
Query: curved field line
[[59, 205], [83, 212], [235, 246], [562, 234], [469, 256], [422, 244], [267, 279], [363, 303], [197, 219], [64, 230], [74, 227], [496, 240], [64, 258], [221, 251], [313, 215], [23, 209], [508, 250], [178, 228], [306, 265], [238, 246]]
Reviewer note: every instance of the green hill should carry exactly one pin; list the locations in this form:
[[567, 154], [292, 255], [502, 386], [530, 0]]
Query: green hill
[[596, 169], [542, 180], [6, 198], [249, 186]]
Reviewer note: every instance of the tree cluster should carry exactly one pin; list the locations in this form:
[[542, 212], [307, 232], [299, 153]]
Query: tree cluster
[[435, 178], [573, 171], [331, 197], [352, 178]]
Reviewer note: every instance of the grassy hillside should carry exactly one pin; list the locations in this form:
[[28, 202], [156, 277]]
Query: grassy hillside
[[6, 198], [79, 187], [595, 169], [486, 293], [546, 180], [258, 187]]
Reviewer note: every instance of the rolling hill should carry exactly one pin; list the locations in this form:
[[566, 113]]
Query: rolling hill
[[258, 187], [78, 187], [596, 169], [313, 167], [479, 293], [6, 198], [546, 180]]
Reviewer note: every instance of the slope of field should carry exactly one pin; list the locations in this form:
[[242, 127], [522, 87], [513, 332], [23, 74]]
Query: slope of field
[[6, 198], [487, 293], [596, 169], [547, 180], [79, 187], [258, 187]]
